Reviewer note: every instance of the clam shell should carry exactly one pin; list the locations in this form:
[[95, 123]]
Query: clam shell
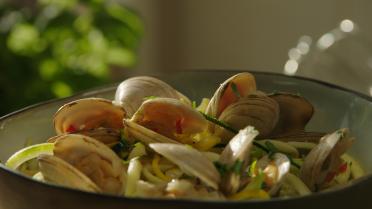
[[325, 158], [254, 110], [88, 114], [236, 150], [94, 159], [225, 95], [190, 161], [295, 113], [170, 117], [132, 92], [282, 166], [58, 171]]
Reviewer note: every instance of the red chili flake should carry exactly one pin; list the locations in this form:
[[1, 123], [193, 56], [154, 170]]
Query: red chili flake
[[71, 129], [179, 126], [342, 168], [330, 176]]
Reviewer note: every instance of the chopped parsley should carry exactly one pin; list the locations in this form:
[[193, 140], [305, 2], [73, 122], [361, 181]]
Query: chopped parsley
[[122, 147], [149, 97], [235, 90], [194, 104]]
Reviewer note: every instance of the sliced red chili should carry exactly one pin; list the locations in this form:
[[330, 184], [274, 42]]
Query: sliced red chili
[[330, 176], [71, 129], [342, 168], [179, 126]]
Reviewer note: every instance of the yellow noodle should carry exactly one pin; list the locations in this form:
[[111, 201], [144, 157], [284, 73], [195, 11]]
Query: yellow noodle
[[157, 171], [150, 177]]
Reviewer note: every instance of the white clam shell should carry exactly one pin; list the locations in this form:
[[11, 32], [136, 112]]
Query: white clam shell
[[58, 171], [88, 114], [190, 161], [94, 159], [132, 92]]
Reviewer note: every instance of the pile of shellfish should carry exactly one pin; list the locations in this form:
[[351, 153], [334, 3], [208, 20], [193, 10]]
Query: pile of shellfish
[[152, 141]]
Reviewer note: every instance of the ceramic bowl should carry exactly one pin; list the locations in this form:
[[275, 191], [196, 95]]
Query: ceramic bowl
[[335, 107]]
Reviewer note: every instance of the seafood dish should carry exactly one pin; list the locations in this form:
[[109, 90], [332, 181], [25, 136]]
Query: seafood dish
[[152, 141]]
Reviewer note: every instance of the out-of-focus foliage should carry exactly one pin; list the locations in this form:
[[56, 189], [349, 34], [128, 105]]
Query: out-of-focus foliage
[[53, 48]]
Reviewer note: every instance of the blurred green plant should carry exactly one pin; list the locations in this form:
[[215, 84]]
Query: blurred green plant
[[53, 48]]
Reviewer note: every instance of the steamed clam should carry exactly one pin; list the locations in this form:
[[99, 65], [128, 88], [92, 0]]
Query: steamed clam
[[295, 113], [132, 92], [255, 110], [275, 168], [94, 117], [200, 166], [170, 117], [236, 152], [58, 171], [241, 83], [324, 160], [94, 159]]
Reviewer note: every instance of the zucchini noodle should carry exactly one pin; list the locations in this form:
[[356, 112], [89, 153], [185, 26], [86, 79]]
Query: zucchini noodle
[[29, 153], [302, 145], [138, 151], [356, 169], [297, 184], [134, 174], [283, 147]]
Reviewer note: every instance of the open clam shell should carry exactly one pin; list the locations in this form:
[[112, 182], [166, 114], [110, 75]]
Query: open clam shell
[[241, 83], [275, 168], [295, 113], [255, 110], [170, 117], [88, 114], [236, 151], [324, 159], [94, 159], [191, 161], [132, 92], [58, 171]]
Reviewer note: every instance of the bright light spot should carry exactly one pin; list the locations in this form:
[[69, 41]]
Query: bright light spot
[[294, 54], [347, 25], [290, 67], [326, 41], [305, 39], [303, 47], [370, 90]]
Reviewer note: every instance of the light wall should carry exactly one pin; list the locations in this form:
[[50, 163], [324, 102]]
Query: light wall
[[236, 34]]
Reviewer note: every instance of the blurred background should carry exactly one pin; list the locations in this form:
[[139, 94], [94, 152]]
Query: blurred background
[[54, 48]]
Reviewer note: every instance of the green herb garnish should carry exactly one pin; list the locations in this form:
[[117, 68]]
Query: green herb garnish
[[272, 149], [194, 104], [221, 168], [237, 167], [122, 147], [149, 97], [219, 123], [235, 90]]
